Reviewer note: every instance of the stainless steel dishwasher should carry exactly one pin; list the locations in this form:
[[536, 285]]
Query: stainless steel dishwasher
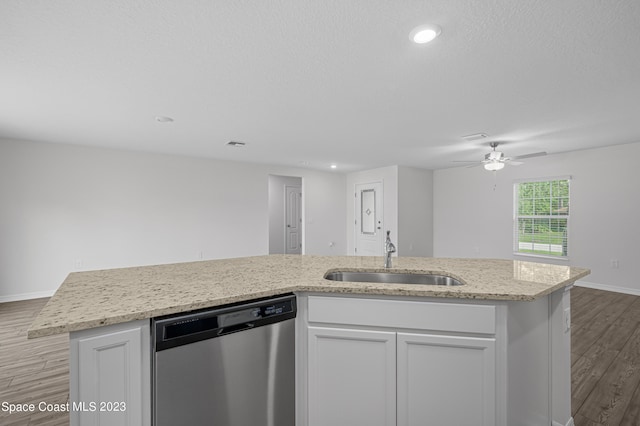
[[228, 366]]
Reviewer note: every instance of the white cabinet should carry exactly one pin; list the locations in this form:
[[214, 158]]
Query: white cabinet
[[352, 377], [110, 375], [445, 380], [397, 362]]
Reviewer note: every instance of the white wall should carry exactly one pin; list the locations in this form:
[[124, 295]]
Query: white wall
[[66, 208], [471, 219], [415, 212], [323, 210]]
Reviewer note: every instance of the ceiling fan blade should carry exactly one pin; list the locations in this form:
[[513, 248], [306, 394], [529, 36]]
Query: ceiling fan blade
[[535, 154], [515, 163], [461, 161]]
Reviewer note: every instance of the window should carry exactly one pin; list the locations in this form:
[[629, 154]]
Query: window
[[541, 217]]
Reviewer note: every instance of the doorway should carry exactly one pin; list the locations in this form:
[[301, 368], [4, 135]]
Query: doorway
[[369, 222], [285, 215]]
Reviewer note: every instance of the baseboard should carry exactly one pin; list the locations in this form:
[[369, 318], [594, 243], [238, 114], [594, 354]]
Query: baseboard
[[606, 287], [26, 296], [569, 423]]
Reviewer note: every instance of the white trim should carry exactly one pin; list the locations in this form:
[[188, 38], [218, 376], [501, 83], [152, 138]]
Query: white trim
[[542, 179], [542, 256], [26, 296], [569, 423], [607, 287]]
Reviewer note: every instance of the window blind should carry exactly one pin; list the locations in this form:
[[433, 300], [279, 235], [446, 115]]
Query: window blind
[[541, 217]]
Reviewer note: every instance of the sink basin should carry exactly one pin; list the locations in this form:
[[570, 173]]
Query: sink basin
[[391, 278]]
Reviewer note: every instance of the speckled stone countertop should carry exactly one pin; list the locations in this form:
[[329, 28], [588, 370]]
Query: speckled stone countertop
[[96, 298]]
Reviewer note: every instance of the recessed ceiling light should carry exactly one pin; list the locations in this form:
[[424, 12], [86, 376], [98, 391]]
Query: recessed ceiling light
[[163, 119], [334, 166], [425, 33], [236, 144]]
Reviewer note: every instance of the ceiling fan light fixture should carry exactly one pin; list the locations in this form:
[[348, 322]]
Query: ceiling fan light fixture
[[425, 33], [494, 156], [494, 166]]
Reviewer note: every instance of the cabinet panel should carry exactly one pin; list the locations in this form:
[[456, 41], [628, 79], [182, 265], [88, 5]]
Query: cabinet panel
[[445, 380], [351, 377], [109, 375], [440, 316]]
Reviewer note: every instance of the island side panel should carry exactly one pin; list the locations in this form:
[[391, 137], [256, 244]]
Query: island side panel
[[529, 369], [560, 332], [302, 355]]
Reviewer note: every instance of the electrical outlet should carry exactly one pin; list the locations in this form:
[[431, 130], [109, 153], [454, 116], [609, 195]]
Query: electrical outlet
[[77, 264], [615, 264]]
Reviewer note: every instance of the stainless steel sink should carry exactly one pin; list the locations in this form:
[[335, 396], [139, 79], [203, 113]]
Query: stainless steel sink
[[391, 278]]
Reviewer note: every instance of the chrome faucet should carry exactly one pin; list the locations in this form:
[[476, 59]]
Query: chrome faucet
[[389, 248]]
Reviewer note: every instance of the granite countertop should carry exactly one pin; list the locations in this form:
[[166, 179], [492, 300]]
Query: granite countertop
[[96, 298]]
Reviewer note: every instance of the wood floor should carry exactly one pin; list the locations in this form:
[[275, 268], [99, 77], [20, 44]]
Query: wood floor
[[605, 359], [31, 371]]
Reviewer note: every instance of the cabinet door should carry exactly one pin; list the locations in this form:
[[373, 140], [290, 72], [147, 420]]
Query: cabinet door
[[446, 380], [110, 375], [351, 377]]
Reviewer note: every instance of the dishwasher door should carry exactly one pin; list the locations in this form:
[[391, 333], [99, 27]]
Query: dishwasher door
[[240, 371]]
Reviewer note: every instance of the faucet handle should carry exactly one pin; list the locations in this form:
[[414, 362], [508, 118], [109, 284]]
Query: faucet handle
[[388, 245]]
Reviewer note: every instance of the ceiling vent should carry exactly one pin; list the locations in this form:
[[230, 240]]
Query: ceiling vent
[[163, 119], [475, 137]]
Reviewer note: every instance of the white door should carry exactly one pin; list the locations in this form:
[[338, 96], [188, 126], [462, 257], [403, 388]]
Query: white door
[[369, 224], [351, 377], [446, 380], [293, 220]]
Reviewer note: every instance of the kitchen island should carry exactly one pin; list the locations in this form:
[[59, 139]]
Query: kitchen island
[[509, 320]]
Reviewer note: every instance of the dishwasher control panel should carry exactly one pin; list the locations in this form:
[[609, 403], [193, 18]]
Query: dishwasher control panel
[[180, 329]]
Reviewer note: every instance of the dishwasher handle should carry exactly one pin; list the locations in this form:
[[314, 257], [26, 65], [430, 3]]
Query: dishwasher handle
[[234, 328]]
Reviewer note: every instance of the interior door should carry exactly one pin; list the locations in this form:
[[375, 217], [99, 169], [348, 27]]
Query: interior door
[[293, 220], [369, 224]]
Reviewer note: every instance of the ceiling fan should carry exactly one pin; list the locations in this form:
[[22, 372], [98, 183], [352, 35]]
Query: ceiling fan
[[495, 160]]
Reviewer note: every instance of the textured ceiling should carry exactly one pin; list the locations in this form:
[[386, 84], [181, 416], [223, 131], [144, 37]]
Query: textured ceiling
[[333, 81]]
